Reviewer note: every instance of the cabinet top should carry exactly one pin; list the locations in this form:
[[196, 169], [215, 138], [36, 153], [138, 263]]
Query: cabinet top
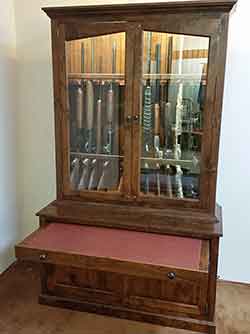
[[176, 6]]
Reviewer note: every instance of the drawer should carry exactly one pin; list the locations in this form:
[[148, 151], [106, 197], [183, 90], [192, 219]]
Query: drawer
[[181, 292], [83, 284], [149, 272]]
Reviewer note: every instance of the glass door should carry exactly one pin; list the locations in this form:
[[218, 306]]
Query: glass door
[[172, 113], [96, 89]]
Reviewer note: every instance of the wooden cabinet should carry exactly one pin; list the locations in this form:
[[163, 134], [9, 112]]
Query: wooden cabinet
[[134, 231]]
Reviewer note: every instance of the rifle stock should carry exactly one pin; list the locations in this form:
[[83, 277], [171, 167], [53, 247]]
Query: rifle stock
[[84, 181], [75, 173]]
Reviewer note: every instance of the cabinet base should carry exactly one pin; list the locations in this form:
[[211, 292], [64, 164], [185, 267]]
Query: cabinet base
[[126, 313]]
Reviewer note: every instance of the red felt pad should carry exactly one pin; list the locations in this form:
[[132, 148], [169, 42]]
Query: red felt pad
[[117, 244]]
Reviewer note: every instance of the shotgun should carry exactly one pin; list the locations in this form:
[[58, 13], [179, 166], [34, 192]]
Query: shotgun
[[158, 153], [83, 184], [95, 167], [108, 176], [90, 106], [178, 124], [169, 190], [110, 108], [147, 119], [75, 174]]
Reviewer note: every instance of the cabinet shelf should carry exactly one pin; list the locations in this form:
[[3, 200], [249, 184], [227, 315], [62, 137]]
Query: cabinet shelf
[[172, 76], [187, 164], [97, 76], [97, 155], [120, 76]]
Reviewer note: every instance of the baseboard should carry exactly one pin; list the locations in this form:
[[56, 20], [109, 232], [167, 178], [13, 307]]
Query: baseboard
[[222, 281], [8, 269]]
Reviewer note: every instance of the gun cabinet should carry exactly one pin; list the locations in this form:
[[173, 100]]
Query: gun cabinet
[[134, 231]]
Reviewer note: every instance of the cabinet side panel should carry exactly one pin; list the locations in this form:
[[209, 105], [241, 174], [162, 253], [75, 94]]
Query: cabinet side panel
[[212, 122], [55, 55]]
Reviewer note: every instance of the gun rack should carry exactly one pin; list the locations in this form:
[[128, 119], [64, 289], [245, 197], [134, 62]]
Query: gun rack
[[134, 231]]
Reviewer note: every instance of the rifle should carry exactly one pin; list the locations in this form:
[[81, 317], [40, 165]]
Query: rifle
[[92, 179], [93, 182], [105, 172], [90, 107], [79, 111], [146, 178], [110, 107], [178, 125], [169, 63], [179, 106], [158, 180], [167, 127], [167, 108], [109, 168], [147, 110], [178, 180], [82, 58], [75, 174], [157, 103], [83, 184], [169, 190], [89, 126]]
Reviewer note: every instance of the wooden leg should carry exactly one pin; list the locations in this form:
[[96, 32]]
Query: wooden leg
[[212, 330]]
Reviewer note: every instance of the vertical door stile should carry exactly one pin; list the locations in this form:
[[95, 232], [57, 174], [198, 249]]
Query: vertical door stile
[[137, 105], [129, 72], [64, 105], [209, 114], [58, 124]]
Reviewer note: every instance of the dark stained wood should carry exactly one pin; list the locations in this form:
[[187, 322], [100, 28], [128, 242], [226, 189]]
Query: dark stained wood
[[204, 262], [212, 24], [199, 24], [168, 221], [201, 326], [214, 253], [57, 108], [145, 8], [142, 293], [129, 65], [216, 113], [212, 114], [137, 112], [83, 30]]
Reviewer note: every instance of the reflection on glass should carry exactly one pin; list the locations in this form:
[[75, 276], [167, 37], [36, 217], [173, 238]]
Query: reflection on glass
[[174, 77], [95, 69]]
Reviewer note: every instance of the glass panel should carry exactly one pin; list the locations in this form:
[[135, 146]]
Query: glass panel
[[96, 84], [174, 88]]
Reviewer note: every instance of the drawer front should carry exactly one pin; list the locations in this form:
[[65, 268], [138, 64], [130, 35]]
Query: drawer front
[[177, 294], [82, 284]]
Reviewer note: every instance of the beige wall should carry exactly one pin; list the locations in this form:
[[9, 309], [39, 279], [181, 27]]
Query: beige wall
[[8, 203]]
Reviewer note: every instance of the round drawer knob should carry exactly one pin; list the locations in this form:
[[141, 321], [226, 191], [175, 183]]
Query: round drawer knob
[[136, 118], [43, 257], [171, 275], [129, 119]]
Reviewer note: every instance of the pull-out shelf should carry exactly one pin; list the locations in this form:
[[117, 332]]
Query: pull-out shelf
[[123, 273]]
